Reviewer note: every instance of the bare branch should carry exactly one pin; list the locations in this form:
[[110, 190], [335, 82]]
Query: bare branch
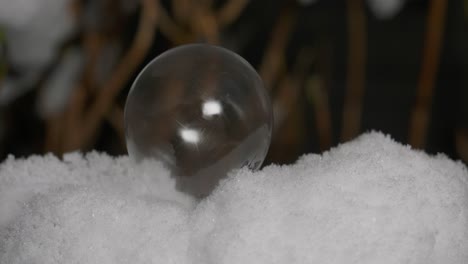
[[428, 74]]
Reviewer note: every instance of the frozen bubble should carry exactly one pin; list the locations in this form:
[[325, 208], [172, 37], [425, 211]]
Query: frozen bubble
[[202, 111]]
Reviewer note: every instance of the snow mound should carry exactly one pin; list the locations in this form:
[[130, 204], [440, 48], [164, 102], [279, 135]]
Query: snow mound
[[371, 200]]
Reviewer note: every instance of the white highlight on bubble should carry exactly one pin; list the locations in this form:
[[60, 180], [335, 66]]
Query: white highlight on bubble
[[189, 135], [211, 108]]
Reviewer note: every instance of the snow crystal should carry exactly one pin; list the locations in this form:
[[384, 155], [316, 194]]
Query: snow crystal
[[370, 200]]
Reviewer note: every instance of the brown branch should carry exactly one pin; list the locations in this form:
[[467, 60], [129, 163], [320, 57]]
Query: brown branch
[[289, 89], [75, 8], [273, 58], [116, 118], [54, 134], [127, 66], [170, 29], [71, 133], [352, 111], [319, 98], [73, 117], [182, 9], [93, 44], [203, 22], [289, 133], [461, 140], [69, 128], [230, 12], [430, 63]]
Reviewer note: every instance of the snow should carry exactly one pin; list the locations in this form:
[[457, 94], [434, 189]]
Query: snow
[[370, 200], [34, 30], [386, 9]]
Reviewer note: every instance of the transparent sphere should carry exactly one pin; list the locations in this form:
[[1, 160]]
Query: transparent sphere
[[202, 111]]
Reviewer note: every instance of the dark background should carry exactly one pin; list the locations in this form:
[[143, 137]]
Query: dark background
[[334, 69]]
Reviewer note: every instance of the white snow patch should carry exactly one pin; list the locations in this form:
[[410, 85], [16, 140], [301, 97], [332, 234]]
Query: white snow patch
[[367, 201], [34, 31]]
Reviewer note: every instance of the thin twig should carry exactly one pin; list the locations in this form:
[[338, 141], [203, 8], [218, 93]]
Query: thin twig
[[273, 58], [182, 9], [203, 22], [127, 66], [352, 111], [430, 63], [230, 11], [171, 29], [289, 89], [321, 98], [116, 119], [53, 134], [289, 117], [315, 86], [461, 139], [73, 119], [71, 131]]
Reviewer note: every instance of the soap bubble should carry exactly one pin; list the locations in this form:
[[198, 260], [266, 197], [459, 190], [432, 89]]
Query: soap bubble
[[202, 111]]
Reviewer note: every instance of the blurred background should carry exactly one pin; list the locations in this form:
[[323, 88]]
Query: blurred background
[[334, 68]]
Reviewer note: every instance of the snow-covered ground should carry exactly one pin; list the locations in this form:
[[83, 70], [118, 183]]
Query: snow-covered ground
[[371, 200]]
